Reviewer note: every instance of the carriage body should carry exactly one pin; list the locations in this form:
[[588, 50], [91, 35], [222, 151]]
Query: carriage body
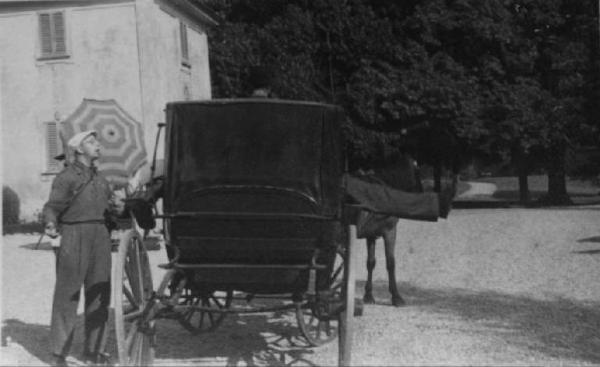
[[253, 188], [252, 205]]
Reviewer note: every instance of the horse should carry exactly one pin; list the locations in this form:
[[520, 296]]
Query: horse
[[399, 172]]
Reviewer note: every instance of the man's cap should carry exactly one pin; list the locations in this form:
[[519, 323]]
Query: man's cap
[[76, 140]]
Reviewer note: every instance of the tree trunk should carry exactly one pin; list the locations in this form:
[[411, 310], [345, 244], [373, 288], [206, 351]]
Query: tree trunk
[[437, 177], [523, 187], [557, 184], [557, 178], [521, 161]]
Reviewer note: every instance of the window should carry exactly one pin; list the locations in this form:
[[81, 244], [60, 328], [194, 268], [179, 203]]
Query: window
[[52, 35], [185, 52], [53, 148]]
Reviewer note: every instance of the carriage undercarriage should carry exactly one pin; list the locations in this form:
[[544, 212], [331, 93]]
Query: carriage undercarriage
[[321, 316]]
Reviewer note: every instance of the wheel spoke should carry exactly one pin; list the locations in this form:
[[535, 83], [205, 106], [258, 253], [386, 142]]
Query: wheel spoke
[[139, 271], [138, 349], [135, 286], [318, 331], [133, 315], [192, 311], [129, 309], [206, 303], [188, 315], [145, 350], [131, 337], [142, 349], [337, 272], [208, 318], [216, 301], [337, 287], [202, 313], [129, 296]]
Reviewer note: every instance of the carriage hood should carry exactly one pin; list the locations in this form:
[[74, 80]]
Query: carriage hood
[[285, 146]]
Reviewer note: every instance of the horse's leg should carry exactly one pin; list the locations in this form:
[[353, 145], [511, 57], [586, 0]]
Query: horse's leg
[[368, 297], [389, 240]]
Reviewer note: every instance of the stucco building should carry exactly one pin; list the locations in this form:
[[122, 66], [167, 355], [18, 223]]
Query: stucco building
[[55, 53]]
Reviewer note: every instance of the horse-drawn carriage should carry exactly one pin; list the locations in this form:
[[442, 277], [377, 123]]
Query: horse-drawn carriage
[[253, 202]]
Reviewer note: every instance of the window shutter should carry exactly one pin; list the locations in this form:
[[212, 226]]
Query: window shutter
[[45, 34], [59, 33], [53, 37], [52, 145], [184, 43]]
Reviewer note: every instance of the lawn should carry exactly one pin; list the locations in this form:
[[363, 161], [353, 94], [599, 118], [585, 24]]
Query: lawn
[[508, 187]]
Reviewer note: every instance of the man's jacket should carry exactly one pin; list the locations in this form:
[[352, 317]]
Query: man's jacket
[[79, 195]]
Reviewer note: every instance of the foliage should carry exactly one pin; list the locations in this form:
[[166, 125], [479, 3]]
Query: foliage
[[10, 206], [502, 79]]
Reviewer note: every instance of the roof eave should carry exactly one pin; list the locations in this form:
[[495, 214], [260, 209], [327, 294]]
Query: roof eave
[[195, 9]]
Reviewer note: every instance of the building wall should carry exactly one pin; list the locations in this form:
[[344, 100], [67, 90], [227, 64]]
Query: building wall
[[103, 64], [164, 78], [128, 51]]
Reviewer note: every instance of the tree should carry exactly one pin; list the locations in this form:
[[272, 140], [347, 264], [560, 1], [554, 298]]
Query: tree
[[506, 79], [560, 31]]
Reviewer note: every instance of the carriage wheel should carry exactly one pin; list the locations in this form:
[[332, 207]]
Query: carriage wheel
[[199, 321], [348, 290], [132, 291], [318, 331]]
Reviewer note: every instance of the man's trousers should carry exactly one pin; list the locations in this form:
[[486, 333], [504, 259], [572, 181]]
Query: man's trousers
[[84, 258], [382, 199]]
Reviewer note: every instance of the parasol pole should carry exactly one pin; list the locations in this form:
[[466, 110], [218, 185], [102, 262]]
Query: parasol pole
[[153, 167], [40, 240]]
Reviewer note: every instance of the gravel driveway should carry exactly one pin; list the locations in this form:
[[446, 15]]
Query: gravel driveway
[[485, 287]]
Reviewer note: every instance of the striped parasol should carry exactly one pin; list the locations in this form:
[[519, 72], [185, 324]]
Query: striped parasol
[[121, 137]]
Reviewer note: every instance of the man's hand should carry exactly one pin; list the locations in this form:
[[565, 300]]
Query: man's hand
[[117, 205], [51, 230]]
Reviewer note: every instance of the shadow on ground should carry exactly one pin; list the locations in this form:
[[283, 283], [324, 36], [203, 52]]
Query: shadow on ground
[[592, 251], [43, 246], [246, 339], [32, 337], [558, 328], [251, 339], [35, 338], [589, 239]]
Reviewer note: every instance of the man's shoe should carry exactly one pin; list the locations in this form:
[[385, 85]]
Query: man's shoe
[[60, 361], [97, 359]]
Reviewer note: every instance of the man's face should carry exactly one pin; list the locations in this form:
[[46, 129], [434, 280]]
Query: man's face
[[90, 147]]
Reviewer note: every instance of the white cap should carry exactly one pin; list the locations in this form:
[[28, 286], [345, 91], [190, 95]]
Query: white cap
[[76, 140]]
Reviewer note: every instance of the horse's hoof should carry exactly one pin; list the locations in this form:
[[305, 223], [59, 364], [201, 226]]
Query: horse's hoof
[[368, 298], [398, 302]]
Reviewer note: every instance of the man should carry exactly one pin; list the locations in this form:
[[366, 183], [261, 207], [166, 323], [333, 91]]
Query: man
[[380, 198], [62, 158], [78, 201], [260, 82]]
